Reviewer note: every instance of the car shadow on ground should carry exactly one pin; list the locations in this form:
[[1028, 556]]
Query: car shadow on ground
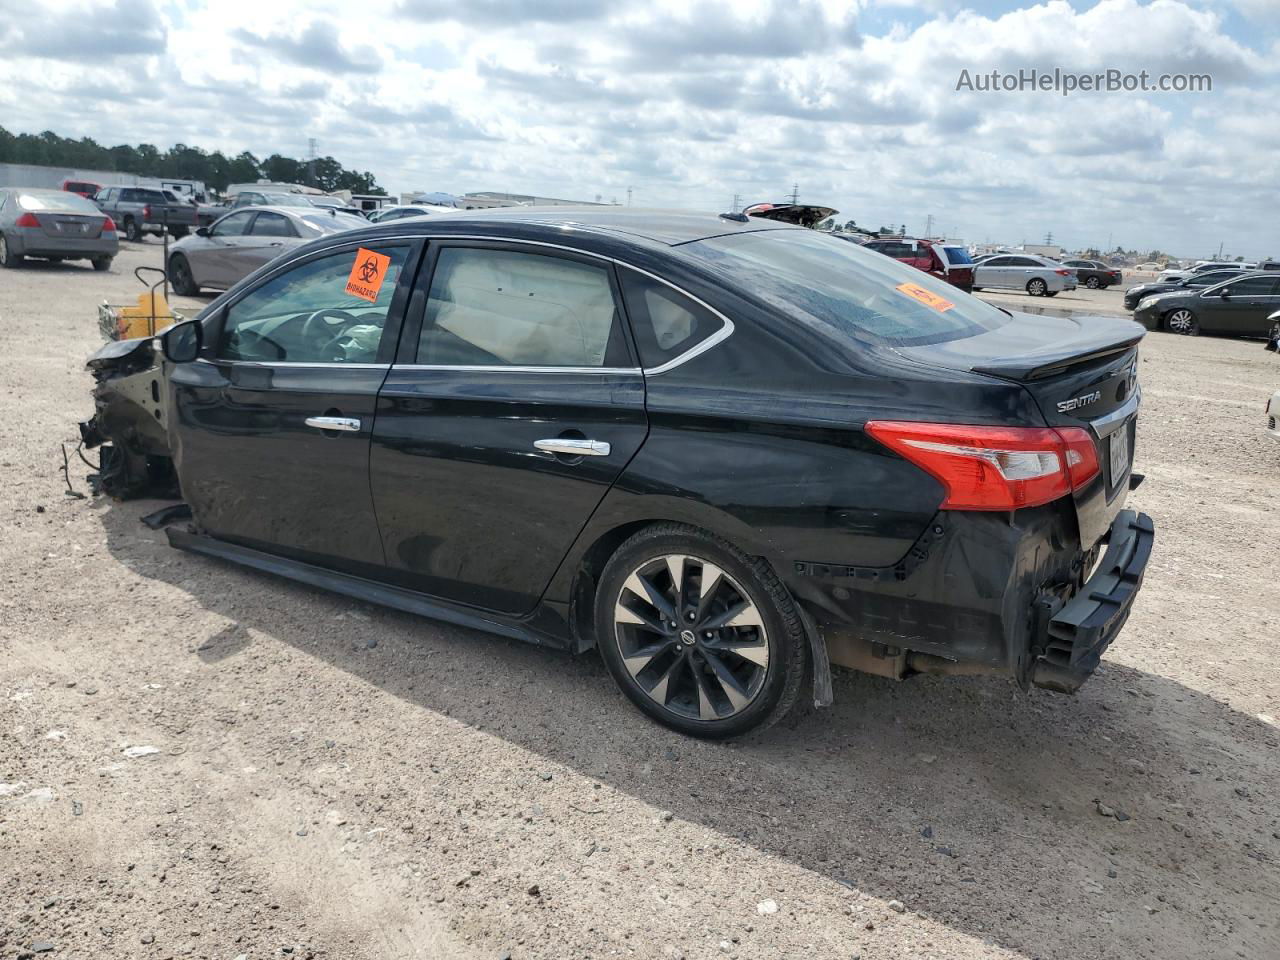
[[1137, 819]]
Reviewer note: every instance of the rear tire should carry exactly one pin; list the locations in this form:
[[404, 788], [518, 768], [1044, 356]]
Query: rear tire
[[101, 264], [180, 277], [132, 230], [701, 637], [1037, 287], [1093, 283], [7, 257], [1182, 321]]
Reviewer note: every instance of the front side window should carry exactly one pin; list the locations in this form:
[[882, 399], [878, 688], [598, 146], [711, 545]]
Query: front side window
[[507, 308], [842, 288], [232, 225], [666, 323], [309, 313]]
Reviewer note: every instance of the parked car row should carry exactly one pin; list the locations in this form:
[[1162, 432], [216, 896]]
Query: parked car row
[[1038, 276]]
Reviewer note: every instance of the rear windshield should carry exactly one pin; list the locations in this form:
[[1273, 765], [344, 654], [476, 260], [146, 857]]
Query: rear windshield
[[317, 224], [56, 200], [844, 287], [285, 200], [957, 256]]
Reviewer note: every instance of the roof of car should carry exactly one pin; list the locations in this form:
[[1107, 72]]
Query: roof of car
[[670, 227]]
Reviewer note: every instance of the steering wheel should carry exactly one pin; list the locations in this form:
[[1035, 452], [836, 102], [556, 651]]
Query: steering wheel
[[329, 323]]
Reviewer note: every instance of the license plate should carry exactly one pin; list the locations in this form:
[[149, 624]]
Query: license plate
[[1120, 452]]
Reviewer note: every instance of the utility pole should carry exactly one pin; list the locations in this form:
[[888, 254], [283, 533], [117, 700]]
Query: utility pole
[[312, 153], [1048, 238], [928, 227], [795, 193], [737, 202], [628, 196]]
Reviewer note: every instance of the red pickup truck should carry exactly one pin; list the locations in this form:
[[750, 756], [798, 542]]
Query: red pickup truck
[[949, 262]]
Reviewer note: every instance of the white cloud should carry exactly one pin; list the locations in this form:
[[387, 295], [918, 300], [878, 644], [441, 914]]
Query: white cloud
[[692, 101]]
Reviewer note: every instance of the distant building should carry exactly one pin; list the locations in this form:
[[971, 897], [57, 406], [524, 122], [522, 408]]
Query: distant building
[[1042, 249], [484, 200]]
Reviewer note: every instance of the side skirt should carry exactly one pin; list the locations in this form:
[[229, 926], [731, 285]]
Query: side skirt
[[358, 588]]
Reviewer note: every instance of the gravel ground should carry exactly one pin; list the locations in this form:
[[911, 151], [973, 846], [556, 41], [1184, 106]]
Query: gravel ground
[[198, 760]]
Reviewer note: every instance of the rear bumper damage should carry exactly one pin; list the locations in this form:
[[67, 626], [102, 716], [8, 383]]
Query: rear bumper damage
[[985, 594], [1079, 632]]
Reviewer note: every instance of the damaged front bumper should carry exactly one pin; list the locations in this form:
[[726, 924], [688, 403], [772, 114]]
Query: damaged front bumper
[[130, 421]]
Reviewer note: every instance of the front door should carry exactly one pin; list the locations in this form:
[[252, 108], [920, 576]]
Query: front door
[[1240, 307], [213, 262], [273, 422], [513, 406]]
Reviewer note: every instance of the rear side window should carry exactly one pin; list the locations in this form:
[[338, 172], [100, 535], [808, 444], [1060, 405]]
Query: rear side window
[[666, 323], [1252, 287], [490, 307]]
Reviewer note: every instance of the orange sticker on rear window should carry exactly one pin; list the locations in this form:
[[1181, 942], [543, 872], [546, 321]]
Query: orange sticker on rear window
[[367, 274], [917, 292]]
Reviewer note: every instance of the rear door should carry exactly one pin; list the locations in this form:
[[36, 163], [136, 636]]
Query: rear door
[[1239, 307], [994, 272], [269, 235], [514, 404], [273, 422]]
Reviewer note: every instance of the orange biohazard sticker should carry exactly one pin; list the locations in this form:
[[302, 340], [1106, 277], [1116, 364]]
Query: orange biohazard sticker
[[367, 274], [917, 292]]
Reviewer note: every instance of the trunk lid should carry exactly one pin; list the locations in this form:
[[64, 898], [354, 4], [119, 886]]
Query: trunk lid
[[71, 226], [1081, 372]]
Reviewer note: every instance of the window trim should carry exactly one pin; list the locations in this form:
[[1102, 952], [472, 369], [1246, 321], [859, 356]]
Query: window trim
[[435, 239]]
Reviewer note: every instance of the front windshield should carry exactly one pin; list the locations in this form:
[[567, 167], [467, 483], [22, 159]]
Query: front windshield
[[843, 286]]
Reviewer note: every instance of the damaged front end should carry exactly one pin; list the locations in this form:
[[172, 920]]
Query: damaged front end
[[131, 421]]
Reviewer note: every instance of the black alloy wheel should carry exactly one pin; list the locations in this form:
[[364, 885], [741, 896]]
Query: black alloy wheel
[[699, 636]]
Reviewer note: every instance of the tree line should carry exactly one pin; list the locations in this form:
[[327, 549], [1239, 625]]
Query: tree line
[[181, 162]]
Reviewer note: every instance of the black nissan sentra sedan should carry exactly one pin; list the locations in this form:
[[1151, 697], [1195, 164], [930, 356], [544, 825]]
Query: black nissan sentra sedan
[[726, 452]]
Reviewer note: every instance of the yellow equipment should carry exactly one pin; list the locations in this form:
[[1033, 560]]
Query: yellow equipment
[[150, 314]]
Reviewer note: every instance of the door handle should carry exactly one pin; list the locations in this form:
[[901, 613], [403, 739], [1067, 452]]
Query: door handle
[[574, 448], [333, 423]]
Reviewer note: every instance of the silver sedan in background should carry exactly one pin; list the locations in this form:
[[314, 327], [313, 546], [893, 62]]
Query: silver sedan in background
[[1039, 276], [219, 255], [54, 225]]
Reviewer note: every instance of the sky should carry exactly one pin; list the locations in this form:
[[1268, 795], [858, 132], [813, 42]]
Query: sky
[[688, 103]]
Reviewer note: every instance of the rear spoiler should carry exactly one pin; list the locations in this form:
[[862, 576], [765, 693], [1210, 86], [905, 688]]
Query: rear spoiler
[[1050, 362]]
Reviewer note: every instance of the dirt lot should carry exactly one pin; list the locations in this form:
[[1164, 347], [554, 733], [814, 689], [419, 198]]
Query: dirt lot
[[201, 761]]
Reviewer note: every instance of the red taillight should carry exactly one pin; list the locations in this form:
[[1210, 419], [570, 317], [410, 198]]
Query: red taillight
[[146, 212], [108, 225], [27, 220], [1063, 273], [994, 468]]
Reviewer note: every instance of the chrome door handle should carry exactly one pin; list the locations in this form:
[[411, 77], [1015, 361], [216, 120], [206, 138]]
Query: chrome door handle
[[333, 423], [574, 448]]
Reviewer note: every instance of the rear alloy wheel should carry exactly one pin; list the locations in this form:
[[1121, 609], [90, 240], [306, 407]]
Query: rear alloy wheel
[[699, 636], [7, 257], [1182, 321], [133, 230], [1093, 283], [1037, 287], [180, 277]]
